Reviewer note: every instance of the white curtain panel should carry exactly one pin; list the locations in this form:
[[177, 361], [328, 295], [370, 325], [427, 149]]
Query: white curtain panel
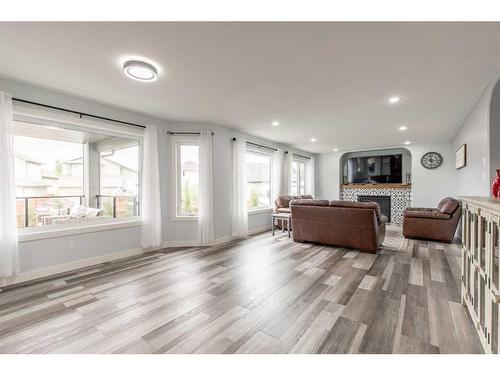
[[9, 257], [206, 200], [286, 173], [310, 183], [239, 220], [151, 229], [277, 174]]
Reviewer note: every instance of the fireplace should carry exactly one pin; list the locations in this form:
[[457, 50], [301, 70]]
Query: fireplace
[[384, 202]]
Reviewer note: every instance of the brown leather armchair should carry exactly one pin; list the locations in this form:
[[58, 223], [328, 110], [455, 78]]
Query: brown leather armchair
[[437, 224], [282, 205]]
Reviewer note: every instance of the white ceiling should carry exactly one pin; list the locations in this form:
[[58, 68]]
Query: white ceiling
[[330, 81]]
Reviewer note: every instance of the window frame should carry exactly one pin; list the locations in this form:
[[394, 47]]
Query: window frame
[[260, 152], [177, 142], [139, 179], [299, 162], [54, 118]]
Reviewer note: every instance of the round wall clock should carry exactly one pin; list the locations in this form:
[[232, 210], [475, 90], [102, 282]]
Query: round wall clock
[[431, 160]]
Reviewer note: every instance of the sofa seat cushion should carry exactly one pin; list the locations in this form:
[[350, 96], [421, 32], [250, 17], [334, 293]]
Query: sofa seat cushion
[[367, 205], [309, 202], [448, 205], [426, 214]]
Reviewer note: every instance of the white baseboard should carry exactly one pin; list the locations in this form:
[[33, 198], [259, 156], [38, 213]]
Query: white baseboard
[[67, 267], [72, 266], [218, 241]]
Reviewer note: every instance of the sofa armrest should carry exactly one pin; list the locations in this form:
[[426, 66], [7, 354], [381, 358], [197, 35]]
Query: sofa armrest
[[426, 214]]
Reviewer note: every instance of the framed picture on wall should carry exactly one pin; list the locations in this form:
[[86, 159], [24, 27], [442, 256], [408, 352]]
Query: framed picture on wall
[[461, 157]]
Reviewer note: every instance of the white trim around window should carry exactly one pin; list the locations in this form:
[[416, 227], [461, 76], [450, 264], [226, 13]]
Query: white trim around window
[[302, 167], [51, 118], [251, 150], [176, 186]]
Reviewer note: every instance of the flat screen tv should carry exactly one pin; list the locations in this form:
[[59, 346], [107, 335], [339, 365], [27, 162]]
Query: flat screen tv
[[375, 169]]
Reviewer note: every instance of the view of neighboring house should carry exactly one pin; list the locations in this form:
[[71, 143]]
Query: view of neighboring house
[[33, 180], [29, 177]]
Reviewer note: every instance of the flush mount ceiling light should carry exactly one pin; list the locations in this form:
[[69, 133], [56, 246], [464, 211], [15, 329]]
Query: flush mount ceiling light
[[407, 142], [402, 128], [275, 123], [140, 70], [394, 99], [335, 149], [313, 139]]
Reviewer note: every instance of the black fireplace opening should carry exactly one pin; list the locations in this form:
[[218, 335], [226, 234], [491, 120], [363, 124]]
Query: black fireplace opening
[[384, 201]]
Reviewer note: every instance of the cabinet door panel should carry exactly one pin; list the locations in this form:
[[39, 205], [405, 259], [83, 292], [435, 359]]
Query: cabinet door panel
[[495, 238], [494, 327]]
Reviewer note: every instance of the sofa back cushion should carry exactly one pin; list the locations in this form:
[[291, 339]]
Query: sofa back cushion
[[367, 205], [448, 205], [309, 202]]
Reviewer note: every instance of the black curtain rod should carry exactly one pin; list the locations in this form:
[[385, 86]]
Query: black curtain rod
[[302, 156], [78, 113], [186, 133], [257, 145]]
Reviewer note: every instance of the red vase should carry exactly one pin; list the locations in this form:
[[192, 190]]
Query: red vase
[[495, 186]]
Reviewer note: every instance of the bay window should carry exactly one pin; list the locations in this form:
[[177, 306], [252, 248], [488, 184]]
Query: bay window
[[71, 174], [299, 169], [258, 174], [187, 177]]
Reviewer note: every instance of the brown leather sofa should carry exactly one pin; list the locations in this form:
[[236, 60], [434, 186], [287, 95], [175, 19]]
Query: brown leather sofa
[[356, 225], [437, 224]]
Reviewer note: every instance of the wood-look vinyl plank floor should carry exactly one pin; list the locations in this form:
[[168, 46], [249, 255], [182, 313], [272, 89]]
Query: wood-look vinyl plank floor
[[261, 294]]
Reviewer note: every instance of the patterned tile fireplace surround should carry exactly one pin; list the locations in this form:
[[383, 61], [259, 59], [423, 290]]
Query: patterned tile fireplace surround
[[400, 196]]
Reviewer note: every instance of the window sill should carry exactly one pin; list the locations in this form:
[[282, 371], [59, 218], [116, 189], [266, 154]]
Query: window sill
[[40, 233], [185, 218], [261, 211]]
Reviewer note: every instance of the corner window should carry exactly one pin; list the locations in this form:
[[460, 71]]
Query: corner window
[[298, 177], [66, 176], [187, 178], [258, 171]]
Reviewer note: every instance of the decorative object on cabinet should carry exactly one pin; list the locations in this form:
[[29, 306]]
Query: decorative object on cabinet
[[408, 178], [495, 186], [461, 157], [431, 160], [480, 281]]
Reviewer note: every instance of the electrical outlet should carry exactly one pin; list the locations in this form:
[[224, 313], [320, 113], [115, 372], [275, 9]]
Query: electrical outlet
[[71, 245]]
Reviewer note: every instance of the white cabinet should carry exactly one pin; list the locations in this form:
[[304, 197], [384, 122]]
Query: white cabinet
[[480, 266]]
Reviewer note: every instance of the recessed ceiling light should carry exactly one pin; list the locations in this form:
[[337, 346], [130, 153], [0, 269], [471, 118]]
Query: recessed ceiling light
[[276, 123], [140, 71], [407, 142], [335, 149], [402, 128], [394, 99], [313, 139]]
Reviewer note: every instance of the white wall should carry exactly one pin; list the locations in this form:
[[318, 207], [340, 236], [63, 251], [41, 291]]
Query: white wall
[[495, 132], [35, 255], [473, 179], [429, 186]]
